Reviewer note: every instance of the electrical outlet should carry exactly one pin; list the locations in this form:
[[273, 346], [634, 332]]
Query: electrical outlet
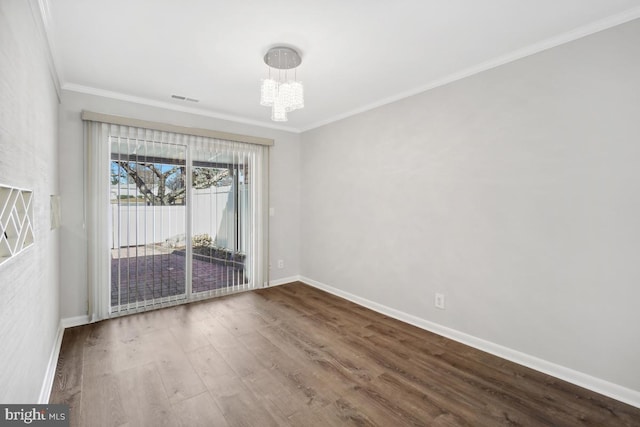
[[280, 263], [439, 301]]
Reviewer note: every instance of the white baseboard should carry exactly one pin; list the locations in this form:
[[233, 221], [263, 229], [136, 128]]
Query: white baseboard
[[283, 281], [615, 391], [49, 376], [70, 322]]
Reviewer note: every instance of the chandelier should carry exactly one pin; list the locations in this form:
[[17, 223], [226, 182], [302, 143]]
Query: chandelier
[[281, 90]]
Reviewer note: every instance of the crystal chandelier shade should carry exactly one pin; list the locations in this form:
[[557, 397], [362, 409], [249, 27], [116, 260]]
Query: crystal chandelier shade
[[282, 94]]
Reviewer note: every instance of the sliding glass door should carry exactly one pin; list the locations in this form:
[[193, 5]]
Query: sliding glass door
[[186, 218], [149, 223], [220, 219]]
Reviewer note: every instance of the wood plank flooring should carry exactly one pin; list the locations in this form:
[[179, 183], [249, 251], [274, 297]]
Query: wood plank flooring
[[295, 356]]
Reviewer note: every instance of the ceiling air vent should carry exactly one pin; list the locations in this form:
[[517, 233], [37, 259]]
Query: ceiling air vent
[[184, 98]]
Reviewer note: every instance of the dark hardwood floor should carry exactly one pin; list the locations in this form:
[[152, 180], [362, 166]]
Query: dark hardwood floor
[[296, 356]]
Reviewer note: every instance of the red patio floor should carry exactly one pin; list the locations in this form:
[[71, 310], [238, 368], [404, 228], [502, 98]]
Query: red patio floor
[[157, 274]]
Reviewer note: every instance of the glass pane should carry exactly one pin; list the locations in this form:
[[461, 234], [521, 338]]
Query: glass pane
[[218, 259], [148, 213]]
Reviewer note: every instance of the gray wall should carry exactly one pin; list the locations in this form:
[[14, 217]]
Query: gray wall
[[28, 159], [284, 196], [515, 192]]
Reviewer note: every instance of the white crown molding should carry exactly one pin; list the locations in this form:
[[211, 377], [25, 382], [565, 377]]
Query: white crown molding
[[42, 18], [41, 13], [615, 391], [567, 37], [583, 31], [72, 87]]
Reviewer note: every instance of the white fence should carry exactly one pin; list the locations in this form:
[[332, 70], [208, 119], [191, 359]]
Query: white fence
[[138, 224]]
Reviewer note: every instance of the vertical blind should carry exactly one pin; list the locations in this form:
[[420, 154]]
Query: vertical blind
[[172, 217]]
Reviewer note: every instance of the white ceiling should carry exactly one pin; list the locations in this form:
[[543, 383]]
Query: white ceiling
[[356, 54]]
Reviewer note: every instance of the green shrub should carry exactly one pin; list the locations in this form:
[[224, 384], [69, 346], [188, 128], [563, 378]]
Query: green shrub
[[201, 240]]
